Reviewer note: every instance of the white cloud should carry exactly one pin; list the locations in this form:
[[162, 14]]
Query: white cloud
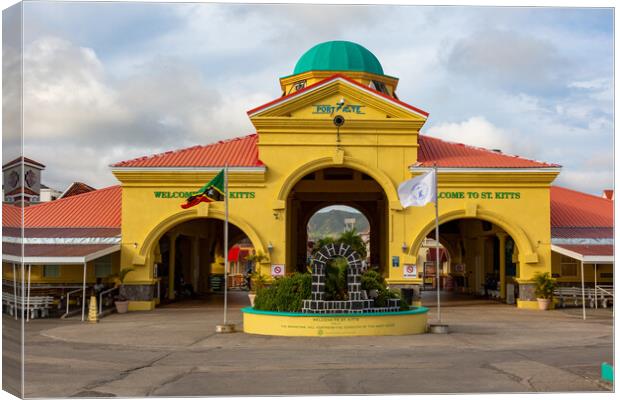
[[506, 58], [513, 79], [475, 131], [64, 90]]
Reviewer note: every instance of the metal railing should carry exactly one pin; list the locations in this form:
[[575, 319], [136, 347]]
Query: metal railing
[[101, 298], [606, 293], [68, 295]]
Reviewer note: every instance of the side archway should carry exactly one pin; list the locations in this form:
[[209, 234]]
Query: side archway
[[522, 242], [152, 239]]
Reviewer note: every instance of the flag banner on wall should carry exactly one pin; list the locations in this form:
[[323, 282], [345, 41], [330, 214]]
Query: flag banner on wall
[[419, 191], [212, 191]]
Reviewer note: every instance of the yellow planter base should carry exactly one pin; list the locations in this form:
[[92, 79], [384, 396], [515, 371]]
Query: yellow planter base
[[368, 324], [531, 304], [141, 305]]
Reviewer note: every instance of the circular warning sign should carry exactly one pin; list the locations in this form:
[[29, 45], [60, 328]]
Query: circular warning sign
[[410, 269], [277, 270]]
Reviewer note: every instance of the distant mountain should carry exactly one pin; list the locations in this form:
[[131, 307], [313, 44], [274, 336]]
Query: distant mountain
[[331, 223]]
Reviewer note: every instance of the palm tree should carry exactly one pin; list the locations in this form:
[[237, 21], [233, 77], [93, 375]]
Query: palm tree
[[353, 239]]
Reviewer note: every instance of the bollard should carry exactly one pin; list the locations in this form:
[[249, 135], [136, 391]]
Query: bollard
[[607, 372], [92, 310]]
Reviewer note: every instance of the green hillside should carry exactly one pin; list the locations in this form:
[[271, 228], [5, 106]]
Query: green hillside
[[331, 223]]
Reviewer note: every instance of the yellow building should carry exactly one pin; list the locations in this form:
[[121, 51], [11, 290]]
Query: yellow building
[[338, 135]]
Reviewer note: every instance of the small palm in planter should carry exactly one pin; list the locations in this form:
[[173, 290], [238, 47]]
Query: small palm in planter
[[120, 301], [545, 285], [256, 279]]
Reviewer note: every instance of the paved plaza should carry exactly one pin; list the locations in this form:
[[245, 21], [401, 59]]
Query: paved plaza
[[175, 351]]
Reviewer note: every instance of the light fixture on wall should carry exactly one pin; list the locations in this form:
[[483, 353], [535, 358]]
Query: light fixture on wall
[[270, 247], [404, 247]]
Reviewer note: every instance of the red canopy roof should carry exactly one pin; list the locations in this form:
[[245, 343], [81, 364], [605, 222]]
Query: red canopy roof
[[100, 208], [238, 152], [243, 152], [457, 155], [570, 208], [589, 250]]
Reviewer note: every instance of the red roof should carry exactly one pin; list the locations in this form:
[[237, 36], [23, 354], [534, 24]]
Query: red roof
[[238, 152], [77, 188], [24, 159], [458, 155], [564, 232], [590, 250], [243, 152], [11, 216], [52, 250], [100, 208], [331, 78], [570, 208]]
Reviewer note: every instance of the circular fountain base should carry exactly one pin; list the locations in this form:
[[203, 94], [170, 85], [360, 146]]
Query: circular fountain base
[[275, 323]]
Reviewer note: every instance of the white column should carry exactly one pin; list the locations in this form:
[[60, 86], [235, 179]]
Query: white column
[[84, 292], [583, 291], [28, 294], [15, 290], [595, 291]]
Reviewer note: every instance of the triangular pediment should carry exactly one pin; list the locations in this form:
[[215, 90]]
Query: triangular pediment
[[338, 96]]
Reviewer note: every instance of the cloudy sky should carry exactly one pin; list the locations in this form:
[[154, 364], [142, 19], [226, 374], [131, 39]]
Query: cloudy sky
[[105, 82]]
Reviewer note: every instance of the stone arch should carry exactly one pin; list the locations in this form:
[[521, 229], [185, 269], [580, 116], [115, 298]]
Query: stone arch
[[152, 238], [526, 252], [355, 269], [348, 162]]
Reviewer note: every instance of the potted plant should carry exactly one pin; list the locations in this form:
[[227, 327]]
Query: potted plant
[[256, 279], [544, 287], [120, 301], [258, 282]]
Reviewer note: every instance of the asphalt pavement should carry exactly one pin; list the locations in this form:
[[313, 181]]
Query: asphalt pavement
[[174, 351]]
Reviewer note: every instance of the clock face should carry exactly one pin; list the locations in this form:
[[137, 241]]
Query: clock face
[[13, 179], [30, 178]]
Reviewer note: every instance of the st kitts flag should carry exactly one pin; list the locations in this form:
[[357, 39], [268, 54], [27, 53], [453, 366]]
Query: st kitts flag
[[212, 191]]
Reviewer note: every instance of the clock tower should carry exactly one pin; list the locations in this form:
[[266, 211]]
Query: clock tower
[[22, 180]]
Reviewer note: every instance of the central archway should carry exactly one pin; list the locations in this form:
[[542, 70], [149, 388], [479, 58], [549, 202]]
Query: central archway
[[330, 187]]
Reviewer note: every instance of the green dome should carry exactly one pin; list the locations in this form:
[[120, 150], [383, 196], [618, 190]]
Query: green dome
[[338, 55]]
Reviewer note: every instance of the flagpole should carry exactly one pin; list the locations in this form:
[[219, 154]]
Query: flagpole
[[437, 260], [225, 243]]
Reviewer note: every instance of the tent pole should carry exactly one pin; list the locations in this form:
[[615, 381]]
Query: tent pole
[[595, 292], [84, 292], [583, 292], [15, 290], [28, 293]]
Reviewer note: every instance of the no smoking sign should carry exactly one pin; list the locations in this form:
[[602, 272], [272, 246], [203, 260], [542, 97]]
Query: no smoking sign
[[277, 270], [410, 271]]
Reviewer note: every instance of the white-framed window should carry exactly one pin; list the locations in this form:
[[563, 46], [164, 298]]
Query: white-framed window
[[51, 271], [568, 266], [103, 266]]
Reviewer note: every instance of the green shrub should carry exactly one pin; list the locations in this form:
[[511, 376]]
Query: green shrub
[[285, 294], [336, 279], [373, 280]]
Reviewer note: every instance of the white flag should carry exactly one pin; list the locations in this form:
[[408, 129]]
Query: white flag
[[418, 191]]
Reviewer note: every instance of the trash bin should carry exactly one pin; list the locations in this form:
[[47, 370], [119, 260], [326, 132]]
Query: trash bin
[[407, 295]]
